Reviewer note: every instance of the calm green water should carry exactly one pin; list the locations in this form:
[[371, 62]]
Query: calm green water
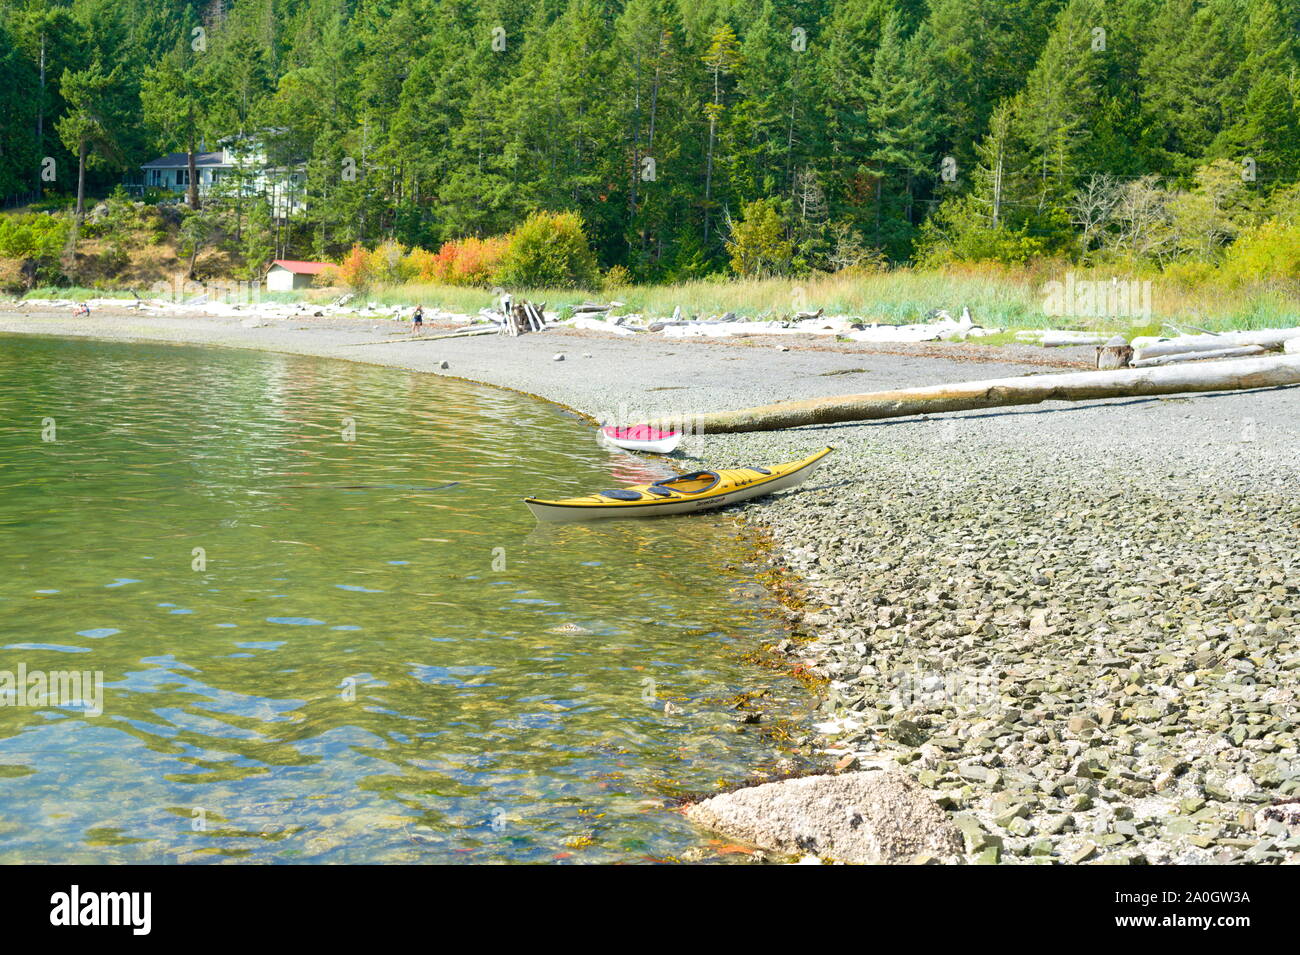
[[342, 673]]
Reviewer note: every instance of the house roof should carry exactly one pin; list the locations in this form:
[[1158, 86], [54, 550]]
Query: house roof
[[300, 268], [182, 160]]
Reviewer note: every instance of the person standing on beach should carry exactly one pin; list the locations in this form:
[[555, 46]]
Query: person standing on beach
[[418, 318]]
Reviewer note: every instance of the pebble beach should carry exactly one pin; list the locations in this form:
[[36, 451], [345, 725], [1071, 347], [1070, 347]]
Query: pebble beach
[[1076, 626]]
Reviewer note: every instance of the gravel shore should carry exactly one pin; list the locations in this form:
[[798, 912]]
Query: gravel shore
[[1077, 626]]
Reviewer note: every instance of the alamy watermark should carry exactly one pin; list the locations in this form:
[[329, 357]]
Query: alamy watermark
[[1093, 298], [687, 423], [919, 687], [181, 290], [130, 909], [67, 689]]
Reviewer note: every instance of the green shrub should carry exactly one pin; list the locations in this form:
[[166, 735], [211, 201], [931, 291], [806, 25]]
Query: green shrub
[[1267, 253], [115, 257], [12, 279], [549, 250], [33, 236], [389, 265], [54, 203], [959, 232], [758, 244], [616, 278], [1188, 273]]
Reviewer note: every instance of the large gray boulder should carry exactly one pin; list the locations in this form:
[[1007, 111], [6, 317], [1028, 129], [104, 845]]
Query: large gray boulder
[[873, 817]]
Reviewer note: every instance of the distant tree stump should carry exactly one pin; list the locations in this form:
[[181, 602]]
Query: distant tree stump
[[1116, 353]]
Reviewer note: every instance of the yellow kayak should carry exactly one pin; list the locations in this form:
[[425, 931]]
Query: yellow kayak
[[685, 494]]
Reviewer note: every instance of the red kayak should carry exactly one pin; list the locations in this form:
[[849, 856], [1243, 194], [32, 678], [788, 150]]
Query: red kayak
[[641, 437]]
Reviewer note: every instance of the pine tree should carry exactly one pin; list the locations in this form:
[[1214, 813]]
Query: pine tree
[[92, 125], [491, 157], [843, 67], [19, 154], [1266, 129], [1062, 100], [999, 170], [175, 104], [1189, 79], [900, 110], [981, 53], [661, 115], [721, 60], [755, 140]]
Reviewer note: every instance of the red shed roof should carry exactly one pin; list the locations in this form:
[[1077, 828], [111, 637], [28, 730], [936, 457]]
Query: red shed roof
[[300, 268]]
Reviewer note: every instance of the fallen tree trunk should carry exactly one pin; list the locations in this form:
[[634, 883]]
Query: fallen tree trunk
[[1155, 347], [1244, 351], [467, 333], [1067, 340], [1052, 338], [1001, 392]]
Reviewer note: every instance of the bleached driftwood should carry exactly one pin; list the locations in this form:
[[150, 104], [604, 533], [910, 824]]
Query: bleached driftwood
[[599, 325], [1231, 375], [945, 329], [1244, 351], [731, 330], [1148, 347], [406, 339], [1059, 337], [533, 314], [897, 333]]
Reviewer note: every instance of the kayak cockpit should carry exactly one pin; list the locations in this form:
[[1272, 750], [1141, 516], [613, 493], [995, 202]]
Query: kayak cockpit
[[697, 482]]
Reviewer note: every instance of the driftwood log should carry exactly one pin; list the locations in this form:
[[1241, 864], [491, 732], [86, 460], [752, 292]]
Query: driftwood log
[[523, 317], [410, 339], [1243, 351], [1156, 347], [1231, 375], [512, 323], [515, 321]]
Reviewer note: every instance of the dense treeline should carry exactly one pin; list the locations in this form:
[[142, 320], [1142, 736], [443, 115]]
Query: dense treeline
[[775, 135]]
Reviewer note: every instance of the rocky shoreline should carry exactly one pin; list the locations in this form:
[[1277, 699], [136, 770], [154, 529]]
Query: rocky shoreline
[[1083, 657], [1075, 626]]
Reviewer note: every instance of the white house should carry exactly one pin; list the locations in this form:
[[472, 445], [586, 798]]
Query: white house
[[172, 172], [285, 275], [240, 166]]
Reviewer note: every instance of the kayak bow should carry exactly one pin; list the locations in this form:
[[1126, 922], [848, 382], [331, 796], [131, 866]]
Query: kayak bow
[[684, 494]]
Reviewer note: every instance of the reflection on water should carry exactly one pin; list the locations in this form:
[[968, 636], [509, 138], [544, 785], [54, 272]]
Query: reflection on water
[[329, 631]]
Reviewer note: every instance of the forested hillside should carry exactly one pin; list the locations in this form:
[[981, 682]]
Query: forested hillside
[[823, 133]]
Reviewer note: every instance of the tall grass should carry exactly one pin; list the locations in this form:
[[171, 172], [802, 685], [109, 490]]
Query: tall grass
[[76, 293], [1007, 297], [1013, 297]]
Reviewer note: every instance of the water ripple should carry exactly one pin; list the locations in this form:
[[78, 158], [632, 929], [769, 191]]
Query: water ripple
[[461, 684]]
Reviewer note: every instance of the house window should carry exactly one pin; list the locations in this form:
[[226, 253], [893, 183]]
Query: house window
[[182, 177]]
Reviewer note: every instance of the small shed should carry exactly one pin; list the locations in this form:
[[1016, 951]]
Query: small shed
[[285, 275]]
